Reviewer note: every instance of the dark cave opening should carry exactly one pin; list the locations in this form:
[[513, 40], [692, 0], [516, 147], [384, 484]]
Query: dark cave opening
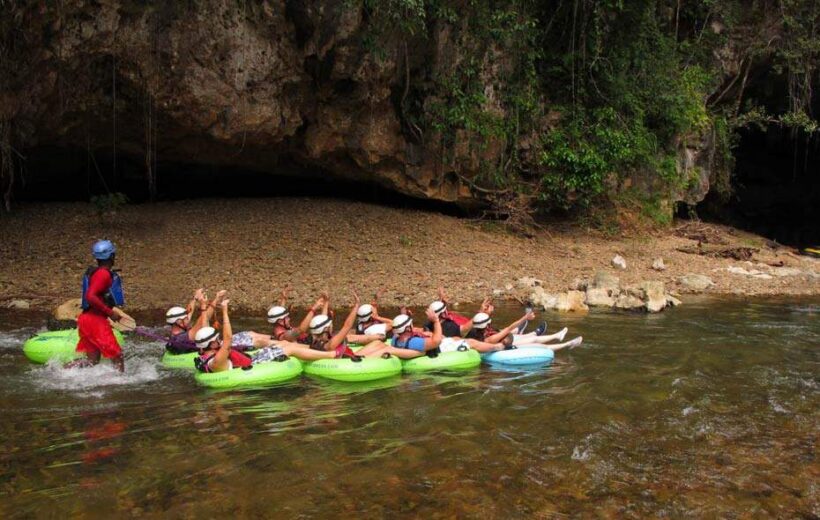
[[74, 174], [776, 175]]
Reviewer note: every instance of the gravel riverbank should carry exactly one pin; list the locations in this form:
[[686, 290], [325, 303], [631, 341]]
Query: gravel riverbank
[[253, 247]]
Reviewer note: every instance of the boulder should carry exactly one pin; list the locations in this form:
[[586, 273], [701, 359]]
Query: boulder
[[18, 304], [754, 273], [671, 301], [605, 280], [596, 297], [69, 310], [541, 298], [618, 262], [571, 301], [579, 284], [658, 264], [695, 282], [628, 302], [655, 295]]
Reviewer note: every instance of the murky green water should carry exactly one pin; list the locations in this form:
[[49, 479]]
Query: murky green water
[[711, 410]]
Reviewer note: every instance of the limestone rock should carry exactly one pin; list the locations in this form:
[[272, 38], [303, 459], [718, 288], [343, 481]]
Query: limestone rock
[[658, 264], [571, 301], [618, 262], [541, 298], [671, 301], [628, 302], [655, 295], [18, 304], [695, 282], [754, 273], [605, 280], [579, 284], [70, 310], [787, 271], [596, 297]]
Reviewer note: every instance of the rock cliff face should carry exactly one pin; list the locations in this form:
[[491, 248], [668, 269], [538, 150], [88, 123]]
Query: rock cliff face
[[263, 86], [220, 82]]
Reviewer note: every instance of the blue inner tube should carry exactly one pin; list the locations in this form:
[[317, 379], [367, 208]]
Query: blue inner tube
[[523, 355]]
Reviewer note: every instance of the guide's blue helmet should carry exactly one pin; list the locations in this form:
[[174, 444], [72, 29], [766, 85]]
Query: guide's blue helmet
[[103, 249]]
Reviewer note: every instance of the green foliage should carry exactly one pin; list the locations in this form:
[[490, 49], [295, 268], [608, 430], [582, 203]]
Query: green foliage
[[109, 203]]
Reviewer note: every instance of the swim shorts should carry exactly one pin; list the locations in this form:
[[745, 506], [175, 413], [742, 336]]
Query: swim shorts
[[451, 344], [242, 340], [96, 336], [267, 354]]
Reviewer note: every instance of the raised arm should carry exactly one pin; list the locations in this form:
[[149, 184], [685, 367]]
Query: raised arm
[[337, 338], [326, 306], [220, 361], [305, 324], [434, 340], [501, 334], [442, 296], [201, 301], [283, 296], [386, 321], [217, 301]]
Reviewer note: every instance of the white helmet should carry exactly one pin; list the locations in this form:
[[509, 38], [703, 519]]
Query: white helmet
[[205, 336], [175, 314], [401, 322], [364, 312], [481, 320], [276, 313], [438, 307], [320, 323]]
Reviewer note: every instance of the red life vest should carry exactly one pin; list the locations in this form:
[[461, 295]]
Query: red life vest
[[238, 360], [279, 332], [459, 319]]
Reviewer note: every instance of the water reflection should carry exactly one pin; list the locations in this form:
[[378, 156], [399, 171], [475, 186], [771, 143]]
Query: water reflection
[[710, 410]]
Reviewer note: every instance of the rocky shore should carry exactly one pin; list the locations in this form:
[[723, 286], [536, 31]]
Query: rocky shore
[[253, 247]]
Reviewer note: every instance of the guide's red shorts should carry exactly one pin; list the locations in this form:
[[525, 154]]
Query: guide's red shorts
[[96, 336]]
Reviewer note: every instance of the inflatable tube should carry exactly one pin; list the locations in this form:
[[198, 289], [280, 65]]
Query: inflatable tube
[[255, 375], [811, 251], [180, 361], [456, 360], [184, 361], [522, 355], [368, 369], [56, 344]]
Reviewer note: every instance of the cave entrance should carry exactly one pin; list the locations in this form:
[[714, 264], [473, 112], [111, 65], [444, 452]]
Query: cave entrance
[[776, 186], [776, 176], [74, 174]]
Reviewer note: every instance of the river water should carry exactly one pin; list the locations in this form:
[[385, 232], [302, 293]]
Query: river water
[[709, 410]]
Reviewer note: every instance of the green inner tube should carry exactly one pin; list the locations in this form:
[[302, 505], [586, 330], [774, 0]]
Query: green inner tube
[[56, 344], [812, 251], [183, 361], [368, 369], [457, 360], [256, 375]]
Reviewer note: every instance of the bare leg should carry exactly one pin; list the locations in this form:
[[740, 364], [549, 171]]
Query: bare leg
[[528, 339], [569, 344], [119, 363], [373, 349], [303, 352], [401, 353], [260, 340], [89, 360], [483, 346]]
